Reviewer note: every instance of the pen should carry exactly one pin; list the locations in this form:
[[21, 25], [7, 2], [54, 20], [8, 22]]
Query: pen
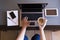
[[11, 20]]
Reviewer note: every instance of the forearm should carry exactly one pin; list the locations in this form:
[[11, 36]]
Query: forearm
[[42, 35], [21, 34]]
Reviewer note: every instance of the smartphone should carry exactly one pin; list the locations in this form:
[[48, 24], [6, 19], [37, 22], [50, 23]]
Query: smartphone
[[12, 15]]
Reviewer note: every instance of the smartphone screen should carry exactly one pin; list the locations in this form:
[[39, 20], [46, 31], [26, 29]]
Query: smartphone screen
[[12, 15]]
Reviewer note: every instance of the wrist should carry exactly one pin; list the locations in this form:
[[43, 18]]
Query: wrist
[[41, 29], [24, 27]]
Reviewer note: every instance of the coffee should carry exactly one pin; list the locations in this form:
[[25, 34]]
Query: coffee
[[41, 20]]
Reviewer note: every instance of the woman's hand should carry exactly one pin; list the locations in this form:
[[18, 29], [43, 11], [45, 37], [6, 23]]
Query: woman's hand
[[42, 23], [25, 22], [24, 25]]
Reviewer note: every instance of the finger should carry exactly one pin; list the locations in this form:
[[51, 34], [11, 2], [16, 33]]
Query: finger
[[26, 18], [45, 24], [46, 19]]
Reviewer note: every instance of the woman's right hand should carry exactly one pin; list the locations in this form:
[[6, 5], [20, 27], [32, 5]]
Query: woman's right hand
[[42, 25]]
